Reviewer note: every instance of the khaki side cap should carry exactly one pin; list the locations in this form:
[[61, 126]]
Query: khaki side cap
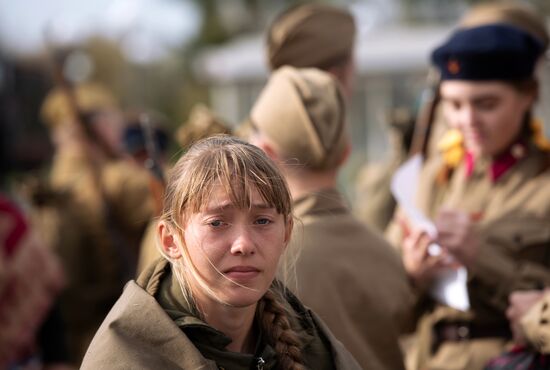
[[311, 35], [303, 112]]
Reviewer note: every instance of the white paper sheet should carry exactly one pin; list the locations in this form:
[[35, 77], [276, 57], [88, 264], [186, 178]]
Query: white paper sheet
[[450, 286]]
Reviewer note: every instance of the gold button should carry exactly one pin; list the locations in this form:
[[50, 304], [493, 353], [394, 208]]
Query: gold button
[[463, 332], [518, 151]]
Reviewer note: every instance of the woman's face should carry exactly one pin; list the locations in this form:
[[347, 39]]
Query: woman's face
[[489, 114], [236, 250]]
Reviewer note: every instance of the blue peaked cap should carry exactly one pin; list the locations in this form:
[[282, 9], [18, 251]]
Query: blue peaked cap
[[489, 52]]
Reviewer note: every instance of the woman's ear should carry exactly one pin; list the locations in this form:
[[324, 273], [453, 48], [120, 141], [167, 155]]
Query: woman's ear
[[168, 241]]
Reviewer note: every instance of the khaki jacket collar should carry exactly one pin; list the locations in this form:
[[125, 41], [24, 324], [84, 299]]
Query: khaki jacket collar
[[327, 201]]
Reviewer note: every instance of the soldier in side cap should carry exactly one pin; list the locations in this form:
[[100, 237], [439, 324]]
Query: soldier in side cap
[[347, 274], [491, 210], [311, 36], [314, 35], [103, 208], [322, 36]]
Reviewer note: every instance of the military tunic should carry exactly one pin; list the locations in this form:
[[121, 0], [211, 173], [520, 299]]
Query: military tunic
[[352, 278], [151, 328], [512, 203], [98, 248]]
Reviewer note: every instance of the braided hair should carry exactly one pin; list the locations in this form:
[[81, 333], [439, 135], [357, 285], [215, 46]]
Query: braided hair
[[275, 322]]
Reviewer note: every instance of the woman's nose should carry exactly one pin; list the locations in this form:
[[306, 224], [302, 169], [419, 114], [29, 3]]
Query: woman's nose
[[243, 242], [469, 117]]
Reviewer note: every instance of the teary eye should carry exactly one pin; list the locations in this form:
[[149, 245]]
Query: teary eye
[[216, 223], [263, 221]]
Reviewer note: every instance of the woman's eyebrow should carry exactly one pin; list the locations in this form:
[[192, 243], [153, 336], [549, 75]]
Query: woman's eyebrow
[[483, 97]]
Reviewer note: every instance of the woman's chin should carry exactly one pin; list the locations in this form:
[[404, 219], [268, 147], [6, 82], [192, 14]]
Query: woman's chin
[[242, 297]]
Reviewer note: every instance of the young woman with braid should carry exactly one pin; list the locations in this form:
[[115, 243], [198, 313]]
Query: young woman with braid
[[213, 302]]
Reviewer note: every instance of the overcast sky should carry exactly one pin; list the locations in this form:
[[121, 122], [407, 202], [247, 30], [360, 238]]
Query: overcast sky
[[145, 28]]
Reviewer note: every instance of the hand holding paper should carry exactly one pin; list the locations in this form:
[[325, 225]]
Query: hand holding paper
[[449, 284]]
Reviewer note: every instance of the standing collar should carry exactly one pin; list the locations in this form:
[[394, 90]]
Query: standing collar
[[501, 164]]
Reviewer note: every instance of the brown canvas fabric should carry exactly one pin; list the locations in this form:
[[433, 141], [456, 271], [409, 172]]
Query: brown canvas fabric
[[138, 333], [352, 278]]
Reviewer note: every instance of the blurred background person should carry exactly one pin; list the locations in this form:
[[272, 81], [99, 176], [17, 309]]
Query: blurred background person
[[31, 279], [432, 135], [375, 203], [312, 35], [528, 316], [485, 206], [351, 277], [97, 222]]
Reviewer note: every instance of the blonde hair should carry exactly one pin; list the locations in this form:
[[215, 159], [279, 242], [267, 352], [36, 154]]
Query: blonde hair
[[239, 168]]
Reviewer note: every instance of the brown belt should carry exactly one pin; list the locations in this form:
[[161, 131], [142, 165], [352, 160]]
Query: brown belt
[[460, 331]]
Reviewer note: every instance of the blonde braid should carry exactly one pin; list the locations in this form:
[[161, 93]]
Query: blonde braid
[[276, 326]]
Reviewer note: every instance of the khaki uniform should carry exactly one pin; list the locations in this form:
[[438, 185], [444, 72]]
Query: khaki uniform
[[375, 202], [151, 328], [97, 218], [514, 254], [98, 250], [351, 278]]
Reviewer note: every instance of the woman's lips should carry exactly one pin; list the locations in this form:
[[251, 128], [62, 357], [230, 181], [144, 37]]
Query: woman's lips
[[242, 272]]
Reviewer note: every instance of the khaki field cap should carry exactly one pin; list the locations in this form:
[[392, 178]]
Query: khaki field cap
[[302, 111], [311, 35], [202, 123], [56, 110]]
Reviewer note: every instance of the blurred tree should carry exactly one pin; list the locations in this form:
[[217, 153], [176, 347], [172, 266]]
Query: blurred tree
[[445, 11], [222, 20], [24, 142]]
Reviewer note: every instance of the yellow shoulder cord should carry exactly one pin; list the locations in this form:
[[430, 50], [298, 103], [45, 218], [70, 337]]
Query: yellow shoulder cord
[[451, 147], [540, 140]]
